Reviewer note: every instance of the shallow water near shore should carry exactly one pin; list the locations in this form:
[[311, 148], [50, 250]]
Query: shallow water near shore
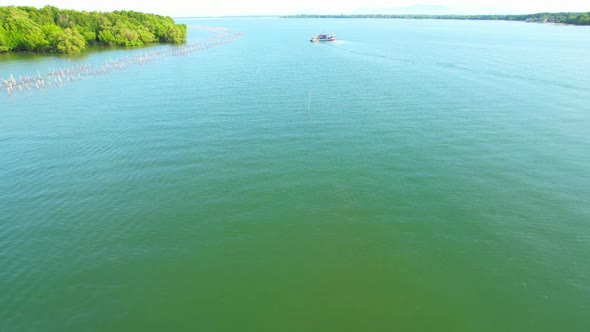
[[414, 175]]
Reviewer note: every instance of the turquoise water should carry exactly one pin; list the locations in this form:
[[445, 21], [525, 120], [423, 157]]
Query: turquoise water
[[414, 175]]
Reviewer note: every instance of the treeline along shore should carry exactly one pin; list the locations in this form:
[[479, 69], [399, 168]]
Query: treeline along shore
[[50, 29], [564, 18]]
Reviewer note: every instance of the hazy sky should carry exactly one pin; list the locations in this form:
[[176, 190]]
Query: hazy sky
[[276, 7]]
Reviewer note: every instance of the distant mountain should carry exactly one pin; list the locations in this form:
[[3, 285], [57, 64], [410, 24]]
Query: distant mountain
[[413, 9]]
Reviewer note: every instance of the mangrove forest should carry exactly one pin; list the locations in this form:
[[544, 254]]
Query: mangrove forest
[[50, 29]]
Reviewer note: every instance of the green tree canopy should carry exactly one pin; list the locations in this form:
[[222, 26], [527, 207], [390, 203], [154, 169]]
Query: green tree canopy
[[50, 29], [70, 41]]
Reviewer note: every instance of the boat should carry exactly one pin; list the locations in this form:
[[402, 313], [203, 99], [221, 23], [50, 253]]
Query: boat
[[323, 37]]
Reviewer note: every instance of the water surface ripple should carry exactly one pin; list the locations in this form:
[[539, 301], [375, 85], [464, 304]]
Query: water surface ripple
[[436, 180]]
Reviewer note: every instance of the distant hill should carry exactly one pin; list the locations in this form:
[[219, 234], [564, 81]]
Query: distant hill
[[413, 9], [564, 18]]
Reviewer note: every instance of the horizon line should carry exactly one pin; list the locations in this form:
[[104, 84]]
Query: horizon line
[[405, 14]]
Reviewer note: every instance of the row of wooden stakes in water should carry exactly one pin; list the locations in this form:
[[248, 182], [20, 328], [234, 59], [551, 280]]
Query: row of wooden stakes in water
[[58, 76]]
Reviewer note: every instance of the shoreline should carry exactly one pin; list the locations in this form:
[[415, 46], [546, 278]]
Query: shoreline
[[578, 19]]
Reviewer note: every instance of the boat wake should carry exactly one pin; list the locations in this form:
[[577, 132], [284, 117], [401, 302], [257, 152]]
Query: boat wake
[[363, 52]]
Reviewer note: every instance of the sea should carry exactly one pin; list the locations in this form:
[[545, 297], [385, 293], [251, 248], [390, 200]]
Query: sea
[[413, 175]]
